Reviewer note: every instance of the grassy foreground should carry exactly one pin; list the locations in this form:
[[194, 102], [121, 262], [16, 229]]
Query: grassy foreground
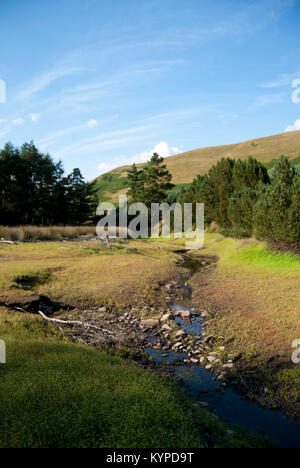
[[55, 393]]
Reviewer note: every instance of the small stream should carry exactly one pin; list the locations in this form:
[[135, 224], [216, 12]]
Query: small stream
[[202, 384]]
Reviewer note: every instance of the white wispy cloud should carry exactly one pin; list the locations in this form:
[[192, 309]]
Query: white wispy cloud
[[45, 79], [92, 123], [267, 100], [285, 79], [34, 117], [18, 121], [295, 126], [54, 137], [107, 140]]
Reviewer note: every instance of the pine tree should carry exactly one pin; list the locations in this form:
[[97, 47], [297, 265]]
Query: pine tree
[[136, 184], [156, 181], [151, 184], [220, 178], [274, 205]]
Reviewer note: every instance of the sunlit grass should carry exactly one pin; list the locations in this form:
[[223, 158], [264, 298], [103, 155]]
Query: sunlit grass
[[85, 273], [55, 394]]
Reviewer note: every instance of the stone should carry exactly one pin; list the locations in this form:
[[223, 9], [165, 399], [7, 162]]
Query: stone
[[180, 333], [208, 367], [211, 359], [194, 360], [102, 309], [228, 366], [204, 314], [183, 313], [149, 322], [166, 327], [221, 377], [166, 317], [222, 348], [176, 345]]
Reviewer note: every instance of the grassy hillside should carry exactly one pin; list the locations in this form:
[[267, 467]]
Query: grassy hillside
[[185, 166]]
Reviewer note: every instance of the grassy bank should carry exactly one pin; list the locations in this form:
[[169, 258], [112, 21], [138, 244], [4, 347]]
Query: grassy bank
[[54, 393], [254, 299]]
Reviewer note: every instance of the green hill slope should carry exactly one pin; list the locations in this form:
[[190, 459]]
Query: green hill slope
[[185, 166]]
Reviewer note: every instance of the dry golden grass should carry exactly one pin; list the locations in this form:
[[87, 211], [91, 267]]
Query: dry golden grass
[[85, 273], [35, 233]]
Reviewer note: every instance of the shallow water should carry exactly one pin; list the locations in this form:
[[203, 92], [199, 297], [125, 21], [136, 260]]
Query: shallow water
[[226, 403]]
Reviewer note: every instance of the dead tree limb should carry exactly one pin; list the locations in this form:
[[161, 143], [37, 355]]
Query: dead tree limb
[[71, 323], [2, 241]]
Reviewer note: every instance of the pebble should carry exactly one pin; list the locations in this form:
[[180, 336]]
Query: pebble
[[185, 313], [228, 366], [166, 317], [180, 333], [211, 358]]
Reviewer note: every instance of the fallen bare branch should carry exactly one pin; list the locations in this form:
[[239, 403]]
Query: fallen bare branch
[[69, 322], [2, 241]]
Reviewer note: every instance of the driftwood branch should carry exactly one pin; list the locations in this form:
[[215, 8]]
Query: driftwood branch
[[70, 323], [2, 241]]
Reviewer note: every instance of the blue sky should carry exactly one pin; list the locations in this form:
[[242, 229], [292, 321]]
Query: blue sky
[[99, 84]]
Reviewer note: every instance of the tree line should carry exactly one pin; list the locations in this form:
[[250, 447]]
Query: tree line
[[241, 197], [244, 199], [35, 190]]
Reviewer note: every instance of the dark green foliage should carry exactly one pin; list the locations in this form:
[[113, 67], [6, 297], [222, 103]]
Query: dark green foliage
[[34, 191], [220, 179], [241, 210], [150, 184], [241, 198], [176, 192], [136, 184], [277, 210], [248, 174]]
